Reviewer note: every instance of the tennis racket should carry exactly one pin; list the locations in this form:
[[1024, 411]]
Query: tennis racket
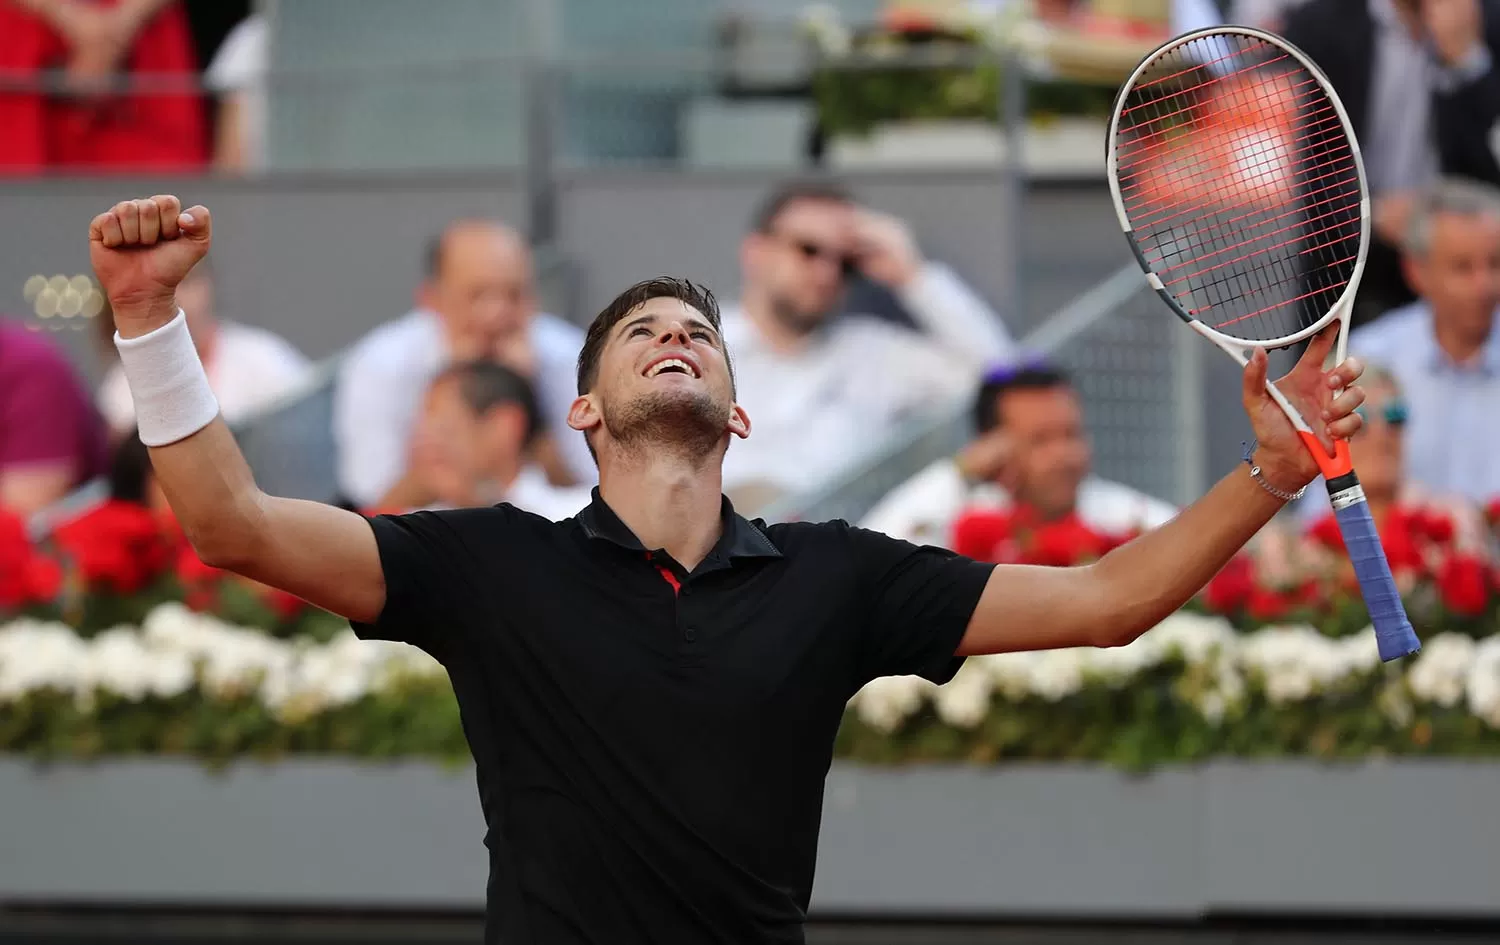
[[1239, 184]]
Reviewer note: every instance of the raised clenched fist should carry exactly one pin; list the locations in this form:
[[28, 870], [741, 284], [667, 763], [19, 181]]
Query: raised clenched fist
[[141, 250]]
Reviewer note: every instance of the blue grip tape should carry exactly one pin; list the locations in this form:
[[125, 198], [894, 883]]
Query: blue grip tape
[[1393, 632]]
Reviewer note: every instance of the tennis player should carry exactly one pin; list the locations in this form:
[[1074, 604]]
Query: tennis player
[[651, 688]]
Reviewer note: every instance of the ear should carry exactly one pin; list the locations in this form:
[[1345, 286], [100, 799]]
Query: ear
[[739, 421], [427, 295], [584, 414]]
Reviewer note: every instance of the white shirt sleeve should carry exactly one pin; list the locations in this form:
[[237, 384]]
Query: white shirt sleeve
[[241, 59], [957, 319], [114, 401], [921, 510], [285, 367], [372, 416]]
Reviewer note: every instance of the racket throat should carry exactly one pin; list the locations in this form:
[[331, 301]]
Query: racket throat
[[1334, 467]]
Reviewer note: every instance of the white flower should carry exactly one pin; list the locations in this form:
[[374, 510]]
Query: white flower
[[118, 662], [35, 656], [1058, 674], [823, 23], [886, 702], [1484, 682], [1440, 673], [964, 701]]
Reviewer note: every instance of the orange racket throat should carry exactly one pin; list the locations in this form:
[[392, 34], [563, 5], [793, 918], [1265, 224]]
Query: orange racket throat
[[1333, 466]]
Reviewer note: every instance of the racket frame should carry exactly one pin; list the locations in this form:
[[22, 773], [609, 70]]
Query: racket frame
[[1394, 633], [1339, 463]]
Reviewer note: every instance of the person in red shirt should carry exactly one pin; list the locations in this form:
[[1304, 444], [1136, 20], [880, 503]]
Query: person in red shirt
[[68, 117]]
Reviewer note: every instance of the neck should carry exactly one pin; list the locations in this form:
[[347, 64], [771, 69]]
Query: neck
[[667, 501], [761, 311], [1459, 345]]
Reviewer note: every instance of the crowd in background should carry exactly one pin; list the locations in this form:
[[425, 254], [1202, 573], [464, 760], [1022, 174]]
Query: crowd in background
[[464, 398]]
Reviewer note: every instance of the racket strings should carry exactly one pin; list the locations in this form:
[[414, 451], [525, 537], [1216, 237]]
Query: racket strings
[[1240, 185]]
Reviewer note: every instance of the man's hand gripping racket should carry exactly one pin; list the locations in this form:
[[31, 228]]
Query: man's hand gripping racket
[[1239, 184]]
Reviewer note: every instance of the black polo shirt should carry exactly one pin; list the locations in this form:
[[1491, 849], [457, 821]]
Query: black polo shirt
[[651, 744]]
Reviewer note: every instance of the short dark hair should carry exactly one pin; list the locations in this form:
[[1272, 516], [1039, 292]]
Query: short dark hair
[[1032, 375], [662, 287], [486, 384], [789, 192]]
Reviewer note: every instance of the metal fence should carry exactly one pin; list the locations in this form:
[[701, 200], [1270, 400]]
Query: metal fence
[[1137, 371]]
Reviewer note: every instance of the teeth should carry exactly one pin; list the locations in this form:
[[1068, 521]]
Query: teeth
[[672, 362]]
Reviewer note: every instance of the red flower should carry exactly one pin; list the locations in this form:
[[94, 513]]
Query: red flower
[[286, 606], [1492, 512], [118, 545], [1065, 542], [1437, 526], [1400, 536], [1325, 531], [1464, 583], [1230, 589], [26, 576], [191, 570], [978, 533], [1266, 604], [907, 20]]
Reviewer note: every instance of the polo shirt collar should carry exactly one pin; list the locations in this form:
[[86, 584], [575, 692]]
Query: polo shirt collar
[[740, 539]]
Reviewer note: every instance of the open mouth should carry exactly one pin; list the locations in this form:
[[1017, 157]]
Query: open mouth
[[672, 366]]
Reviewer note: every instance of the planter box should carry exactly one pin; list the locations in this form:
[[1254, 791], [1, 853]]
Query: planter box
[[1409, 838], [1050, 148]]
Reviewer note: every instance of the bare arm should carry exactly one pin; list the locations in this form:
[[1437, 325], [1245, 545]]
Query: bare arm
[[1135, 587], [325, 555], [1128, 591], [140, 251]]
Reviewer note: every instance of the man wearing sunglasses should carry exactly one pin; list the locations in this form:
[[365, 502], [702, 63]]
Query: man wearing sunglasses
[[1444, 349], [822, 385]]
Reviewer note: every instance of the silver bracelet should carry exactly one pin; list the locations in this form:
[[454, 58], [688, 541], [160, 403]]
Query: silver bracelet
[[1278, 492]]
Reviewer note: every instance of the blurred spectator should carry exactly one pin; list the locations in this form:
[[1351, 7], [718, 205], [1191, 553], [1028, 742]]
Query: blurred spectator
[[477, 301], [821, 389], [1444, 349], [1031, 451], [1416, 78], [248, 368], [51, 439], [479, 420], [76, 50], [1379, 455], [238, 76]]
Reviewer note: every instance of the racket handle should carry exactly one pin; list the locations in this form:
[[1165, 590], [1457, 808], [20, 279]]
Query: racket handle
[[1393, 632]]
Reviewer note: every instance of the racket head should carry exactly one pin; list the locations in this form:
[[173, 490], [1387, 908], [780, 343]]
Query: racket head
[[1239, 184]]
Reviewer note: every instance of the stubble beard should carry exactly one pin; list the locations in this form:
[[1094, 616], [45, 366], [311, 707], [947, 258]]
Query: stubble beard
[[688, 425]]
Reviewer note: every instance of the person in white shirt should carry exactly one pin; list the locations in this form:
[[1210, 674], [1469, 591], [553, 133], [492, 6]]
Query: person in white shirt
[[479, 420], [1031, 449], [237, 75], [477, 301], [824, 388], [249, 368]]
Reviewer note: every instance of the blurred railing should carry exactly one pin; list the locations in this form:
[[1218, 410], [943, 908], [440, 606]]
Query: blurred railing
[[1137, 372], [548, 86]]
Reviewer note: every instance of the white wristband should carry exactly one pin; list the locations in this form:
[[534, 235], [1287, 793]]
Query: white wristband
[[167, 383]]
